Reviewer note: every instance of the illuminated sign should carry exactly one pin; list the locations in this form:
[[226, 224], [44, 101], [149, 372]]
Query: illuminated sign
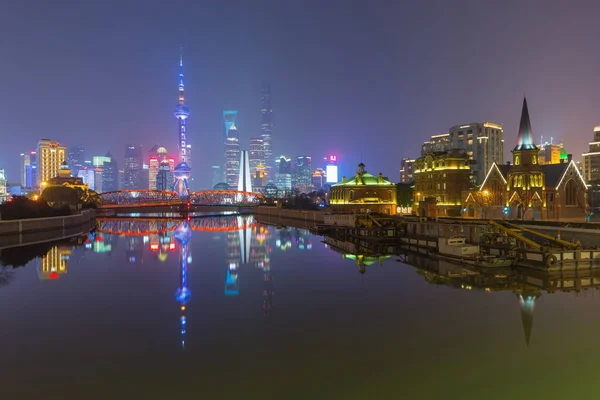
[[332, 173], [333, 158]]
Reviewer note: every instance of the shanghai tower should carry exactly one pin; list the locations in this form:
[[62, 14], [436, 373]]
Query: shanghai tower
[[182, 170], [267, 130]]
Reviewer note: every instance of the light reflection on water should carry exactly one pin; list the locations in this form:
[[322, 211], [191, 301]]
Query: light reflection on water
[[232, 307]]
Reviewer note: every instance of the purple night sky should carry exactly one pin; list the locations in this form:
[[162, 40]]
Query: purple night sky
[[370, 78]]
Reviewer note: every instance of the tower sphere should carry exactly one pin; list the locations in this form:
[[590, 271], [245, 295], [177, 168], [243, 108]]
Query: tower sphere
[[181, 111], [182, 171]]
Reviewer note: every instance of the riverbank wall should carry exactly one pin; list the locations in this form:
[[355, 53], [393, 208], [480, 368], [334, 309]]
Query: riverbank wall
[[279, 216], [37, 230]]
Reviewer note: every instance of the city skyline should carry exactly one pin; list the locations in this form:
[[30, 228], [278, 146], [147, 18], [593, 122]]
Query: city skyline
[[331, 87]]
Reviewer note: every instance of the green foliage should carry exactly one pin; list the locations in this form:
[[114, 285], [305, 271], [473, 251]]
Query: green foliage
[[61, 196]]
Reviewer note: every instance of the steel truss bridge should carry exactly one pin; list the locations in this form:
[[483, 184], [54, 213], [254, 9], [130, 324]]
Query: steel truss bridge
[[163, 198], [165, 226]]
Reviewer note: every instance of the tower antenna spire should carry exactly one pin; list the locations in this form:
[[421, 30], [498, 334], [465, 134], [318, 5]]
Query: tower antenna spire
[[182, 170]]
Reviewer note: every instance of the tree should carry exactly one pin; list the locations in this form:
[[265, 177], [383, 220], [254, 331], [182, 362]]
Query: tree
[[484, 200], [60, 196]]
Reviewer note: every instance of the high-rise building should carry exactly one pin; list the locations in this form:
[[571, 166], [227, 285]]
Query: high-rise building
[[303, 174], [406, 170], [591, 159], [230, 118], [76, 158], [435, 143], [110, 173], [244, 181], [232, 157], [216, 175], [33, 158], [132, 168], [182, 171], [331, 168], [25, 170], [259, 178], [319, 178], [155, 156], [164, 177], [51, 154], [3, 191], [88, 177], [267, 131], [484, 144], [552, 153], [284, 175], [256, 156]]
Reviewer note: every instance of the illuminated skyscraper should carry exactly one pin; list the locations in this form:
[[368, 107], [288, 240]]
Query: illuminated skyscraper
[[3, 193], [182, 170], [51, 155], [302, 174], [256, 155], [110, 180], [232, 157], [25, 170], [165, 174], [267, 131], [132, 168], [76, 158], [156, 155]]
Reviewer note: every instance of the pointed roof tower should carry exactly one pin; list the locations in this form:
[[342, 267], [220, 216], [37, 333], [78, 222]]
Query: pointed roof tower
[[527, 303], [525, 138]]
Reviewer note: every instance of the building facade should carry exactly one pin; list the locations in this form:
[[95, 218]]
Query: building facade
[[51, 154], [483, 142], [440, 142], [319, 179], [591, 159], [76, 157], [3, 190], [267, 131], [406, 170], [551, 153], [132, 168], [256, 155], [440, 179], [302, 174], [364, 193], [527, 190], [232, 157]]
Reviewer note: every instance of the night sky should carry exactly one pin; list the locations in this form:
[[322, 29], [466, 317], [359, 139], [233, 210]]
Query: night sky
[[348, 77]]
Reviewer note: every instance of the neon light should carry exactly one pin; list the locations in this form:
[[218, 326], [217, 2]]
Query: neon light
[[565, 173], [489, 172]]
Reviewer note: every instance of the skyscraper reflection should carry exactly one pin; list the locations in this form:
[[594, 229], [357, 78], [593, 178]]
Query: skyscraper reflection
[[54, 264]]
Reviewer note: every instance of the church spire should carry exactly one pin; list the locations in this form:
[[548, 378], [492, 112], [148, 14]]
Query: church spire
[[525, 138]]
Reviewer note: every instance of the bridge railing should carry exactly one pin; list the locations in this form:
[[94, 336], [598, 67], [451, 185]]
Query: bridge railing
[[139, 197], [123, 198], [226, 197]]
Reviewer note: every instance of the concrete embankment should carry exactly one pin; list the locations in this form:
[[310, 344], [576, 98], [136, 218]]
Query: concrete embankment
[[589, 238], [37, 230], [298, 218]]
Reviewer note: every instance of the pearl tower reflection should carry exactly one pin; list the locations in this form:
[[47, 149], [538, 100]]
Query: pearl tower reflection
[[183, 295]]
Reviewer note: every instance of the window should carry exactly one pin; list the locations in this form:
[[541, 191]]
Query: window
[[444, 185], [351, 195], [571, 193]]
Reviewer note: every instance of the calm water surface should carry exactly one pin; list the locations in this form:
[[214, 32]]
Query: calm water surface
[[267, 313]]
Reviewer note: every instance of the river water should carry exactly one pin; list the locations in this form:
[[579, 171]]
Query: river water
[[227, 308]]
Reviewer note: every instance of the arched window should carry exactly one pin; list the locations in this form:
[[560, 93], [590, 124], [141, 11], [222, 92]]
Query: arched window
[[517, 159], [571, 193]]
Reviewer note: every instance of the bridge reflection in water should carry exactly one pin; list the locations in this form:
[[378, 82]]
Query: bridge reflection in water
[[528, 285]]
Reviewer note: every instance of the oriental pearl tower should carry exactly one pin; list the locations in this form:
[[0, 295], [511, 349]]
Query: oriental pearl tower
[[182, 171]]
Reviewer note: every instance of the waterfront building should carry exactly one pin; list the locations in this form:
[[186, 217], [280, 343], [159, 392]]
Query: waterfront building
[[440, 142], [51, 154], [591, 159], [406, 170], [132, 168], [3, 190], [527, 190], [483, 142], [182, 170], [440, 179], [319, 178], [76, 157], [364, 193], [64, 178], [232, 157], [267, 131]]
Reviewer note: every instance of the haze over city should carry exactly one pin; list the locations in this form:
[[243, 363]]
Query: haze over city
[[369, 81]]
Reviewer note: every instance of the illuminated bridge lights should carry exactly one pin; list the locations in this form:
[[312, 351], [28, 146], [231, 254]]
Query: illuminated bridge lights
[[149, 226], [147, 198]]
